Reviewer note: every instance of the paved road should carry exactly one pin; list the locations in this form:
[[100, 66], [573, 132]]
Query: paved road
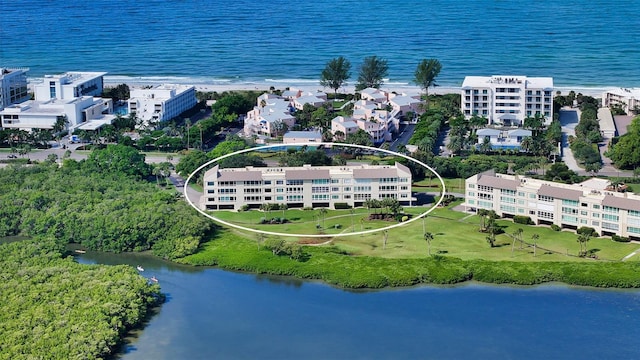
[[403, 137], [569, 118]]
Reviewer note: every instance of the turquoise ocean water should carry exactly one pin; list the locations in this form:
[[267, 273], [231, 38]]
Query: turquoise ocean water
[[579, 43]]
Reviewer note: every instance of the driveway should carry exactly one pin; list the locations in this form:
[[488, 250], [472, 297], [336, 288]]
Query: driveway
[[403, 137], [568, 120]]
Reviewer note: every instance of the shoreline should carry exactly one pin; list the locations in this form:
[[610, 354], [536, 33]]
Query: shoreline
[[310, 86], [211, 84]]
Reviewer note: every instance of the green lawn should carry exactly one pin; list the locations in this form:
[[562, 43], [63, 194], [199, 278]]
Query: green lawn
[[456, 234], [433, 185]]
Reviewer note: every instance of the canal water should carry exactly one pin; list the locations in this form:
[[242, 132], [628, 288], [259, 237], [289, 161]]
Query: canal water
[[211, 313]]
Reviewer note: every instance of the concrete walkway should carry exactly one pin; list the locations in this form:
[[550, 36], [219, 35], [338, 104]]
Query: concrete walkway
[[630, 255]]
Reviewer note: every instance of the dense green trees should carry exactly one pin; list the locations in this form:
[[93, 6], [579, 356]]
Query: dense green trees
[[624, 151], [584, 145], [335, 73], [372, 72], [118, 92], [54, 308], [302, 157], [100, 208], [118, 159]]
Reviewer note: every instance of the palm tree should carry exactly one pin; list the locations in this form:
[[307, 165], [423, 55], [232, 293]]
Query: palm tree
[[535, 238], [583, 239], [284, 208], [323, 213], [482, 213], [428, 237]]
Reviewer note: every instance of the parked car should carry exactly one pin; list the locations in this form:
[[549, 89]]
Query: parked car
[[12, 156]]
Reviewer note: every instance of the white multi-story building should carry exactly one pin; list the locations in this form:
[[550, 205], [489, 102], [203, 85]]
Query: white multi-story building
[[592, 203], [161, 102], [70, 85], [71, 95], [507, 100], [629, 99], [13, 86], [44, 114], [305, 186]]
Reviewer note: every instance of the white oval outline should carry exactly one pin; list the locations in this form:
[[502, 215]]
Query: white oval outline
[[264, 232]]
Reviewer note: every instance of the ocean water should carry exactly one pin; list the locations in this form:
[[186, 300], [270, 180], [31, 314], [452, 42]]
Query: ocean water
[[579, 43]]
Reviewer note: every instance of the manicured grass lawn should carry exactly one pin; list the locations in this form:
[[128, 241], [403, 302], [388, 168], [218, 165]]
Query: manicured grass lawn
[[456, 234], [433, 185]]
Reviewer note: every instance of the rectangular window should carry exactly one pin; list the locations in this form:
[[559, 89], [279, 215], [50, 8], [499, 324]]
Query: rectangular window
[[320, 181], [545, 215], [634, 213], [569, 202], [545, 198], [508, 200], [509, 209], [634, 230], [295, 182], [267, 182]]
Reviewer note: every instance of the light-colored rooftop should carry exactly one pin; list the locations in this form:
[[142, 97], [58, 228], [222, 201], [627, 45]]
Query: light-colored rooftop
[[74, 77], [626, 92], [303, 135], [507, 81], [605, 118]]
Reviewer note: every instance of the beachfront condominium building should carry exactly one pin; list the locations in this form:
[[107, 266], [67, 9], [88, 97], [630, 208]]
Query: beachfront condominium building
[[161, 102], [305, 186], [84, 111], [13, 86], [507, 100], [628, 99], [594, 203], [73, 95], [69, 86]]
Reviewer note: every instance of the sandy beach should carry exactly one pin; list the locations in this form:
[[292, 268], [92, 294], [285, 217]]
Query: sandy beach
[[308, 86]]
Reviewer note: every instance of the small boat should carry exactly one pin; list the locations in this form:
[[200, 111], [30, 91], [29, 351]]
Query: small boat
[[153, 278], [140, 268], [80, 251]]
